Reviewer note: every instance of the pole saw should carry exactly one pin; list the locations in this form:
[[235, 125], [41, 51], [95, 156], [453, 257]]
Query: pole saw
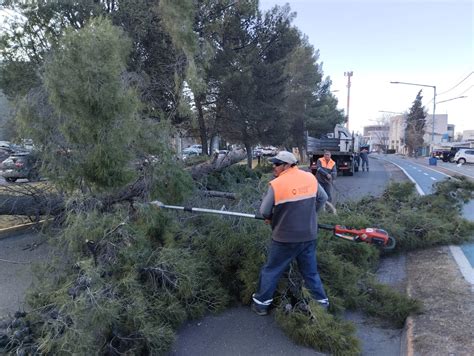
[[371, 236]]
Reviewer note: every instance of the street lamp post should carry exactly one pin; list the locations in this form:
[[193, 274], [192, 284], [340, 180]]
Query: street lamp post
[[348, 75], [434, 102]]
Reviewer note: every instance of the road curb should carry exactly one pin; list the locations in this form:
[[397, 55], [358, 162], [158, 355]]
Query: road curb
[[406, 342]]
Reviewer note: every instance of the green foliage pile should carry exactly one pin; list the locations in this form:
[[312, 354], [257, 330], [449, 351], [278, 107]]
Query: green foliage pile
[[415, 221], [319, 330], [119, 288], [125, 280]]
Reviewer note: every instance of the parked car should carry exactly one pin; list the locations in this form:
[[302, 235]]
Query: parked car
[[437, 153], [20, 165], [190, 152], [464, 155], [269, 151], [197, 148], [257, 152], [448, 156]]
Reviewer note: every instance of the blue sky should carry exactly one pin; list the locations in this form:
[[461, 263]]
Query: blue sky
[[417, 41]]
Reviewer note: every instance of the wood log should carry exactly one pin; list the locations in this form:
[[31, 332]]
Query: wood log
[[216, 194], [217, 163], [31, 205], [36, 203]]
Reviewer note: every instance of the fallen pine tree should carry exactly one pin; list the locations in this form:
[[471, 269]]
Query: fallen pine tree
[[122, 281], [32, 201]]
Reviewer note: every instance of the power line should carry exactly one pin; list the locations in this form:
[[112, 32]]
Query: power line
[[467, 90], [456, 84]]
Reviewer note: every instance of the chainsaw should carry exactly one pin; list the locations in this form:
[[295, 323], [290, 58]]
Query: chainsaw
[[371, 236]]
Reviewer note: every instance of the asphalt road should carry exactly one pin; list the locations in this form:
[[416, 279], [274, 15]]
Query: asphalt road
[[18, 255]]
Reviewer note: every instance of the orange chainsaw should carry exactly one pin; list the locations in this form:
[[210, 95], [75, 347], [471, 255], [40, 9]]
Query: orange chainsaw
[[372, 236]]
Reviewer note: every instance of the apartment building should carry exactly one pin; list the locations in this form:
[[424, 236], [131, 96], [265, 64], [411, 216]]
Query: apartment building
[[437, 131], [377, 137]]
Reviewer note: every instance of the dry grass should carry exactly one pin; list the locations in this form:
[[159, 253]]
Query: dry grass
[[446, 327]]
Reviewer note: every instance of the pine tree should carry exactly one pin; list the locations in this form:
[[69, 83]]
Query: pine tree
[[415, 125], [96, 111]]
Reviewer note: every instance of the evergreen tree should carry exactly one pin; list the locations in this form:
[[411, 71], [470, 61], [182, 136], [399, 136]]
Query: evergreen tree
[[415, 125], [30, 35], [93, 114], [158, 68], [250, 74], [309, 104]]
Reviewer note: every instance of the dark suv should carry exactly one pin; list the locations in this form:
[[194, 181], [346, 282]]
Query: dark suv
[[448, 156], [20, 165]]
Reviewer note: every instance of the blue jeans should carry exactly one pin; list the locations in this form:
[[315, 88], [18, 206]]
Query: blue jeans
[[365, 164], [328, 189], [280, 256]]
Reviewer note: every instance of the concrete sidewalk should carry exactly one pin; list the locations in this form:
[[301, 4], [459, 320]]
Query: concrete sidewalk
[[446, 324]]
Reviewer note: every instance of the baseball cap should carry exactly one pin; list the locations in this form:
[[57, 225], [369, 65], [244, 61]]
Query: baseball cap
[[284, 157]]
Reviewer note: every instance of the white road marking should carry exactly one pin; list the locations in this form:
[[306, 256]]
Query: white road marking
[[463, 263], [433, 178], [418, 188], [425, 173]]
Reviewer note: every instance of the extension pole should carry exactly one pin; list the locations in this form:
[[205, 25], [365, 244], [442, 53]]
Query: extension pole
[[201, 210], [159, 204]]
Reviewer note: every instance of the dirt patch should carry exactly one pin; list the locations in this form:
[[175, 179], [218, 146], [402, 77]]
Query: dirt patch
[[446, 325]]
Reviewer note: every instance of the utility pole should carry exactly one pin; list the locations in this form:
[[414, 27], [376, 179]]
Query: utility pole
[[348, 75]]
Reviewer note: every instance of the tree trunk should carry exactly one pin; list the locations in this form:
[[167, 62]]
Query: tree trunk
[[217, 163], [302, 153], [31, 205], [248, 147], [202, 124], [38, 203]]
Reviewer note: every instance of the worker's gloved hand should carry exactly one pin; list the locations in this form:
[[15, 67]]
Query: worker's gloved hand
[[268, 221]]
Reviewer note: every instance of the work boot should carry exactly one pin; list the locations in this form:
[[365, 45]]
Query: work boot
[[259, 309], [323, 303], [367, 169]]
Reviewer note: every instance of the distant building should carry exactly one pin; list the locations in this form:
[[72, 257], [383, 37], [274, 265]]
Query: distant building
[[377, 137], [436, 133], [468, 135], [396, 134], [450, 132]]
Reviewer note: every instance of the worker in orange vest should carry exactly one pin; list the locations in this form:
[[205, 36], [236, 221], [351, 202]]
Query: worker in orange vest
[[326, 172], [290, 206]]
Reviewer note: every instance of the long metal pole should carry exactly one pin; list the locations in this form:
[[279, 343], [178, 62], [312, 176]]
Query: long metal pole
[[210, 211], [348, 75], [434, 112]]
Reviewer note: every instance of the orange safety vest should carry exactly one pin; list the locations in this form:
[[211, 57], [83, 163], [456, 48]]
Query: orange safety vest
[[328, 165], [294, 214], [293, 185]]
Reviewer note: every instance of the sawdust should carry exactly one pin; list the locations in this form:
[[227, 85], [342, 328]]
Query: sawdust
[[446, 325]]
